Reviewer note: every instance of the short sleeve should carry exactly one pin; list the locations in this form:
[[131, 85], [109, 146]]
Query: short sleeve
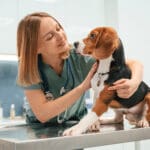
[[33, 87]]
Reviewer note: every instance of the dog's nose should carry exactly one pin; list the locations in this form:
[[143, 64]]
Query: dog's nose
[[76, 44]]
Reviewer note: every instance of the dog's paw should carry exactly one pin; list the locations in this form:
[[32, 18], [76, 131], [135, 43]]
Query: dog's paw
[[75, 130], [143, 123], [95, 126]]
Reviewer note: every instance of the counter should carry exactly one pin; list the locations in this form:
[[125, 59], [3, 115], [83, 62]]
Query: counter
[[46, 137]]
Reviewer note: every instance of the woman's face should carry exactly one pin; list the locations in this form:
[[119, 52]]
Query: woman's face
[[52, 38]]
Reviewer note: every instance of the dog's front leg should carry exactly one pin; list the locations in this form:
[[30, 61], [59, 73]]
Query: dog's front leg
[[83, 125], [94, 127], [101, 106], [89, 120]]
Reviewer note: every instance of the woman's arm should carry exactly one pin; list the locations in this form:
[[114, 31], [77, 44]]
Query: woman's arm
[[126, 87], [136, 69], [45, 110]]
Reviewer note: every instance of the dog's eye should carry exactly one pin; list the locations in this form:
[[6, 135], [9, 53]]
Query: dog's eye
[[92, 36], [89, 53]]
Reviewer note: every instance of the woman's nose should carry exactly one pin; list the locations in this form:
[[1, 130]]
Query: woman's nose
[[58, 36]]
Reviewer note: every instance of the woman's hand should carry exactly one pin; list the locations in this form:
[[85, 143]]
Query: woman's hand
[[86, 84], [125, 87]]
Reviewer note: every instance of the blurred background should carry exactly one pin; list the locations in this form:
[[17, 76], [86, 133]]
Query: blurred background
[[78, 17]]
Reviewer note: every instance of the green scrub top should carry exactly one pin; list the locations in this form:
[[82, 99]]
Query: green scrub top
[[71, 77]]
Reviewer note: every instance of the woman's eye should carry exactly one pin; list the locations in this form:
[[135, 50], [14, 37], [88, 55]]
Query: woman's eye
[[49, 37]]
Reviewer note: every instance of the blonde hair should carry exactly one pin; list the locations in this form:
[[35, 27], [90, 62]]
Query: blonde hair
[[27, 45]]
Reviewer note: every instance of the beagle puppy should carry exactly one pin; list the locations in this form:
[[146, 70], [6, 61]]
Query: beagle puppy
[[104, 45]]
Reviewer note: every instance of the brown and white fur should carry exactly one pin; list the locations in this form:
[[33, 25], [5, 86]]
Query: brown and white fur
[[105, 46]]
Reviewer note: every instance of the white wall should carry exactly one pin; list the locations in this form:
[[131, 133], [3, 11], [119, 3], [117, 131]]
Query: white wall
[[134, 24], [8, 24], [76, 16]]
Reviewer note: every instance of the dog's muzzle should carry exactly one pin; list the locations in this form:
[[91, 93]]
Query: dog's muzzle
[[76, 44], [79, 46]]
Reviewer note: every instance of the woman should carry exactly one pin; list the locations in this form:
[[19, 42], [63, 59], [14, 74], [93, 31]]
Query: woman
[[53, 76]]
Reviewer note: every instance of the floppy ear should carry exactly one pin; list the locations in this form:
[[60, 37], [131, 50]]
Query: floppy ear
[[116, 44], [107, 39], [98, 40]]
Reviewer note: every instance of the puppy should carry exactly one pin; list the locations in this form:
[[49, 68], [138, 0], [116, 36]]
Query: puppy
[[105, 46]]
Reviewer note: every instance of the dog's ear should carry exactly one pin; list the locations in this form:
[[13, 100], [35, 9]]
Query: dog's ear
[[107, 39], [116, 44], [98, 40]]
